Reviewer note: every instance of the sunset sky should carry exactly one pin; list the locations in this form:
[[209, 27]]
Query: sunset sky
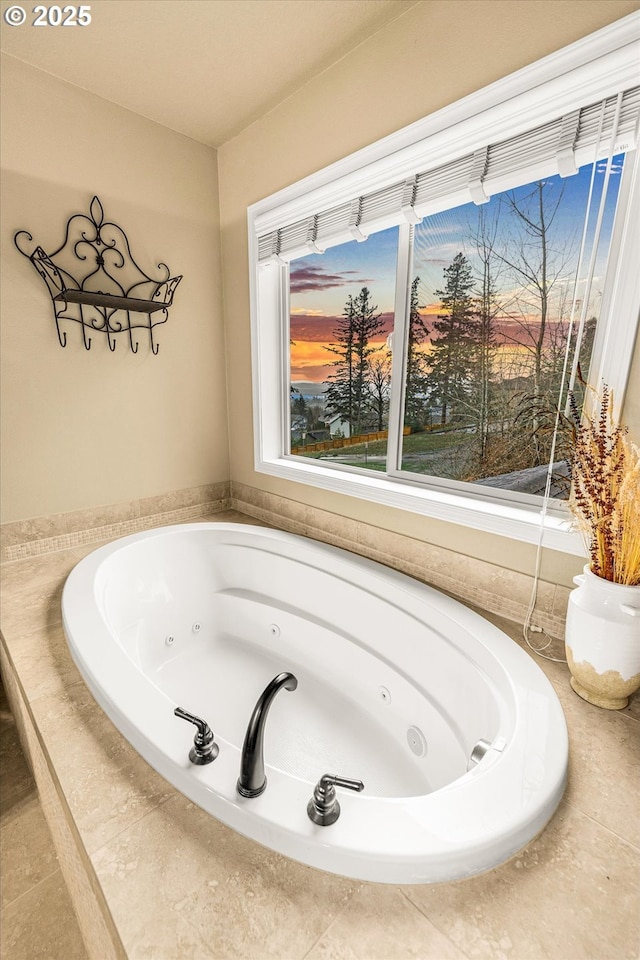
[[320, 284]]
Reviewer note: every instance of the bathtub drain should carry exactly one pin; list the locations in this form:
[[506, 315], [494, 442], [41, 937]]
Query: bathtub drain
[[478, 752]]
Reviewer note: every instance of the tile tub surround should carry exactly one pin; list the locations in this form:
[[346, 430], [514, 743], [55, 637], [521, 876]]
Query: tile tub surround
[[172, 883], [42, 535], [493, 588]]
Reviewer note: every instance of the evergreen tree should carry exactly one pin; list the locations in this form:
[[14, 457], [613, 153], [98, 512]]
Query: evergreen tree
[[452, 354], [348, 394], [415, 380], [298, 404], [339, 395]]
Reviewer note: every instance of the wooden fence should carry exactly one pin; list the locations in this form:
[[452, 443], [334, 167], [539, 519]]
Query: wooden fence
[[344, 442]]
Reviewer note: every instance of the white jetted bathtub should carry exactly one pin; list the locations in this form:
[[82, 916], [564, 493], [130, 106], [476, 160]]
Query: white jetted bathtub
[[397, 687]]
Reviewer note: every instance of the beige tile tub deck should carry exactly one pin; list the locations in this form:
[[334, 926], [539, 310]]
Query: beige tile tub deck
[[179, 885]]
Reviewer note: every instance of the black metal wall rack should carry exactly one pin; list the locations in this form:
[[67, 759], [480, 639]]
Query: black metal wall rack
[[94, 281]]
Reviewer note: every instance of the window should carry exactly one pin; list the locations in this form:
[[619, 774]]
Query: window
[[421, 309], [341, 320]]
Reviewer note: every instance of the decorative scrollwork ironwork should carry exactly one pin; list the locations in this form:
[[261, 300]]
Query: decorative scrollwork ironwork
[[93, 280]]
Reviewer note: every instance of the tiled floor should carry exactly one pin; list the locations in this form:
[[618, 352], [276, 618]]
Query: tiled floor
[[37, 921]]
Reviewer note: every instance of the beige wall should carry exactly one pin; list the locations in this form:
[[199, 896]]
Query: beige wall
[[82, 429], [437, 52]]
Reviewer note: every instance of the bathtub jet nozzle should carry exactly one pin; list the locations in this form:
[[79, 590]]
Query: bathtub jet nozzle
[[252, 780]]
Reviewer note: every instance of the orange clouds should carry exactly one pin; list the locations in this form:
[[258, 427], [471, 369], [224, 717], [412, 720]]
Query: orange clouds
[[311, 360]]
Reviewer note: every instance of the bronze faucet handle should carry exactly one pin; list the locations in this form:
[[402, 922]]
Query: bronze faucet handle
[[323, 808], [204, 750]]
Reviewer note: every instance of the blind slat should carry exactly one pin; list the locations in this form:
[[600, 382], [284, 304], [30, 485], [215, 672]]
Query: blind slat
[[553, 147]]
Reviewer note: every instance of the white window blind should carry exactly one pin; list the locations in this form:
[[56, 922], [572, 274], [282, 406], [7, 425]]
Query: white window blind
[[559, 146]]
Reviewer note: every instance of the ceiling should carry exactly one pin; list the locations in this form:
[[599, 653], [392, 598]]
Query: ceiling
[[206, 68]]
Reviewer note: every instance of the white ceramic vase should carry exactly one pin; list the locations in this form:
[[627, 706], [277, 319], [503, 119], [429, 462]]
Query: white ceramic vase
[[602, 640]]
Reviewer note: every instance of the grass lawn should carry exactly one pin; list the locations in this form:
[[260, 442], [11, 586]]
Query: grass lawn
[[417, 451]]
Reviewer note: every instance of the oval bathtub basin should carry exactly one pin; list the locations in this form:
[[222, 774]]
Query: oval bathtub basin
[[397, 685]]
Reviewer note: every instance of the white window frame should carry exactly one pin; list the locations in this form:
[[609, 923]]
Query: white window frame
[[599, 66]]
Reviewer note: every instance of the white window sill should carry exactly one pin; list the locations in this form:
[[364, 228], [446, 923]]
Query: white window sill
[[516, 521]]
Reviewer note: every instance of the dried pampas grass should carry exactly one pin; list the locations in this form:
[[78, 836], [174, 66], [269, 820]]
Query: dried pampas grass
[[605, 496]]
